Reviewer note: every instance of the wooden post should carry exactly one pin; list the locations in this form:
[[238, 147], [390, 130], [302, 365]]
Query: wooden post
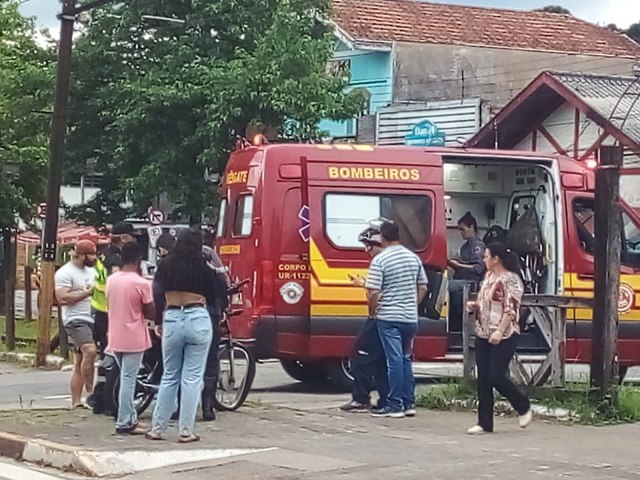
[[10, 297], [10, 314], [28, 296], [57, 147], [558, 343], [468, 336], [608, 225], [64, 339]]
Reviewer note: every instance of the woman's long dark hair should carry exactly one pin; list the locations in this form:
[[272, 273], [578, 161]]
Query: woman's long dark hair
[[509, 259], [184, 268]]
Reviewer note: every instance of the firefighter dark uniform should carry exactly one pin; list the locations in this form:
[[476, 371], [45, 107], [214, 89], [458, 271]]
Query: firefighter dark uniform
[[471, 253]]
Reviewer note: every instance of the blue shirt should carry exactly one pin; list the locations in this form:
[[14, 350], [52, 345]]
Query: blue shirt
[[471, 253]]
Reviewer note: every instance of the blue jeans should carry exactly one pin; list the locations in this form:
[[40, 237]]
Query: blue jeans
[[129, 364], [186, 338], [397, 342]]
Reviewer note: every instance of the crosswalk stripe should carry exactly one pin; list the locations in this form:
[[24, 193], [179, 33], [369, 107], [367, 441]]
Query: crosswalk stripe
[[16, 472]]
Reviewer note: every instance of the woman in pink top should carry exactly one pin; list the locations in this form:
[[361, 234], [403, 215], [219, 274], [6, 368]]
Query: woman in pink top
[[497, 331], [130, 303]]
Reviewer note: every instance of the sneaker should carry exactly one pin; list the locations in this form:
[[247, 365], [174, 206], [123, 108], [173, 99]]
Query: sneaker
[[476, 430], [411, 411], [355, 407], [525, 420], [384, 412]]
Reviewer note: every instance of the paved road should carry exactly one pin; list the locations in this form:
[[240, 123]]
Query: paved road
[[320, 443], [28, 388]]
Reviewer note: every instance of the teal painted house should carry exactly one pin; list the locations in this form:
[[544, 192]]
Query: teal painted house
[[370, 67]]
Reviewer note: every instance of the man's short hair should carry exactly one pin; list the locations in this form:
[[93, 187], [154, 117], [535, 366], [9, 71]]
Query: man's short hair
[[390, 232], [131, 253], [166, 241]]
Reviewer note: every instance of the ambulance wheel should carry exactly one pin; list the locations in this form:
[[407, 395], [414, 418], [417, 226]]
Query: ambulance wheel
[[340, 373], [305, 371]]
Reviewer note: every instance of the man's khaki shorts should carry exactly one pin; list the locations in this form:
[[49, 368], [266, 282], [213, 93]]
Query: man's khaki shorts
[[81, 333]]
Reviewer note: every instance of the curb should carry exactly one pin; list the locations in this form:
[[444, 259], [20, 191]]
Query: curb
[[29, 359], [42, 452], [96, 463]]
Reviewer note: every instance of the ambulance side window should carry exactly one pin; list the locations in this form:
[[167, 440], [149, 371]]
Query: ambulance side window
[[222, 218], [243, 220], [630, 242], [584, 215], [347, 215]]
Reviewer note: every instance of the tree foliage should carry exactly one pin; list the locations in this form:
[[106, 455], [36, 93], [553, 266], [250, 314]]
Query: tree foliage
[[554, 9], [26, 92], [158, 103], [634, 31]]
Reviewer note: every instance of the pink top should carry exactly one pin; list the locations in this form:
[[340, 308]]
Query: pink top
[[127, 292]]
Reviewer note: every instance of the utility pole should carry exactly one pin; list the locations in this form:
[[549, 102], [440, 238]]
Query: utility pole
[[57, 144], [608, 229]]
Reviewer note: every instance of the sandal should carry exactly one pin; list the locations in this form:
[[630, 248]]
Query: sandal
[[151, 435], [189, 438]]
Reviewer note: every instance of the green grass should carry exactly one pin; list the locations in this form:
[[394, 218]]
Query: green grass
[[576, 398], [26, 334], [454, 395], [585, 408]]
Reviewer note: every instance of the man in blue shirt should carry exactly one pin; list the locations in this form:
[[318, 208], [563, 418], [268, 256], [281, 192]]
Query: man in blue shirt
[[396, 285]]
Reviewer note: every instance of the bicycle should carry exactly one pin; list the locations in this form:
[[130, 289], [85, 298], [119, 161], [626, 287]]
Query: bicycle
[[234, 358]]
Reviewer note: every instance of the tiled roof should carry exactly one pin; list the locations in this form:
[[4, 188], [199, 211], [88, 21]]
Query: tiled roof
[[615, 98], [611, 101], [422, 22]]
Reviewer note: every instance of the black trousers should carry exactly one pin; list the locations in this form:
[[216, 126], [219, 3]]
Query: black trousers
[[101, 393], [100, 329], [493, 372], [369, 365], [212, 366]]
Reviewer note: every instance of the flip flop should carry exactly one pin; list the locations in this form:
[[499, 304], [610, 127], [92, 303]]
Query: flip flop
[[151, 435], [189, 438]]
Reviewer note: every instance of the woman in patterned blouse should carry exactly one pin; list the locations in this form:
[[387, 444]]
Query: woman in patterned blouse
[[497, 330]]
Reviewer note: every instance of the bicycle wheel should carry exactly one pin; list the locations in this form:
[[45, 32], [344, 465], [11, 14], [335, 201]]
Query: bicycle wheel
[[237, 371]]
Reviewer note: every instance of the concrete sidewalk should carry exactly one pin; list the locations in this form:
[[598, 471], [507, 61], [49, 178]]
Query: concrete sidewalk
[[273, 442]]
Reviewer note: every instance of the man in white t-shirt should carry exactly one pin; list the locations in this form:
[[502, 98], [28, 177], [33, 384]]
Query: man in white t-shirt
[[75, 282]]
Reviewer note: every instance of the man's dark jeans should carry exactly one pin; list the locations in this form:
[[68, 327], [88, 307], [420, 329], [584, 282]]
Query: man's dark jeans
[[369, 365], [397, 342]]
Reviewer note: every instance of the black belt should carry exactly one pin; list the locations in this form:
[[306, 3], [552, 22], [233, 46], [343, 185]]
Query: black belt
[[183, 307]]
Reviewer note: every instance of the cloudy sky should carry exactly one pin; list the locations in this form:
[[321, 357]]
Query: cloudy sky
[[621, 12]]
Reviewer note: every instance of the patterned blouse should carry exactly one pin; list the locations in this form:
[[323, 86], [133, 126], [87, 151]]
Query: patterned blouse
[[499, 295]]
